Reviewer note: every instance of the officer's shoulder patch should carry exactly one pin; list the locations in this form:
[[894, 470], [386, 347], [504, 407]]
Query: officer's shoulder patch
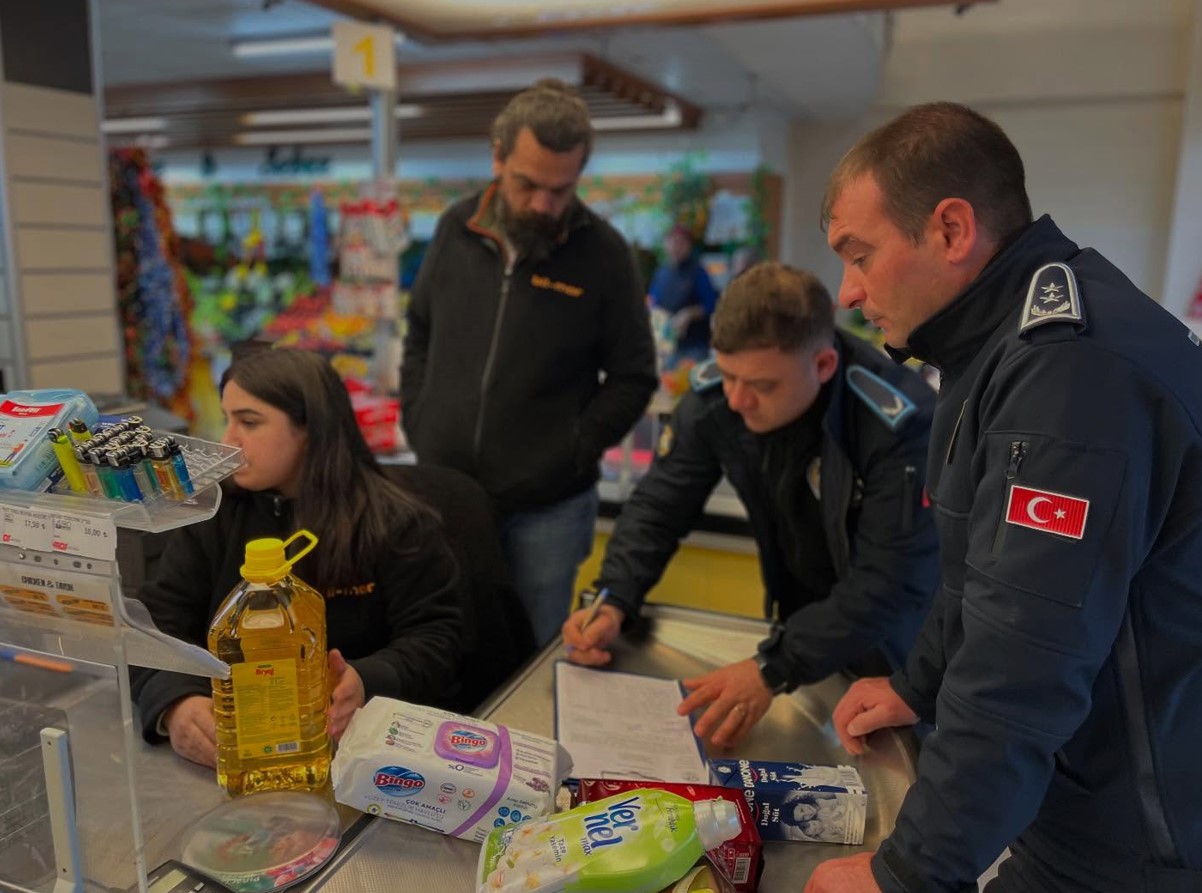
[[705, 376], [886, 401], [1052, 297]]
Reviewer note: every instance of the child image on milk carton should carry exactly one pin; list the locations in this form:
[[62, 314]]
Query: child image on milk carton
[[443, 771], [798, 801]]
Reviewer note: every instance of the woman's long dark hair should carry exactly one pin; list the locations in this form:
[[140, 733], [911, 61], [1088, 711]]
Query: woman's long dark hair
[[344, 497]]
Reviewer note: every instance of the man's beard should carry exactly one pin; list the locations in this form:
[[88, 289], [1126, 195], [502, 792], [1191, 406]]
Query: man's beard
[[532, 234]]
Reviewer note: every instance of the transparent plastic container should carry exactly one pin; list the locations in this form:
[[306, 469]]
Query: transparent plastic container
[[208, 464]]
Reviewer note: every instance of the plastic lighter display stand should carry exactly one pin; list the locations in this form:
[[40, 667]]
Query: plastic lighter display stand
[[67, 640]]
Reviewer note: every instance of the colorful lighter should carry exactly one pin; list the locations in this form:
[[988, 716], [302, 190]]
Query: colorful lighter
[[89, 472], [77, 430], [66, 458], [164, 469], [181, 466]]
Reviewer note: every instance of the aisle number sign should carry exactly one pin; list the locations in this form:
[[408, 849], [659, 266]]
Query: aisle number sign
[[364, 55]]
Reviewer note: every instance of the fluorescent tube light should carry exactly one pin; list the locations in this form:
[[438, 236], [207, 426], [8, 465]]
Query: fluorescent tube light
[[289, 46], [133, 125], [321, 116], [670, 117], [287, 137]]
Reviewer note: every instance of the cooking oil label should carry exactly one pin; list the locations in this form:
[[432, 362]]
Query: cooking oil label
[[266, 708]]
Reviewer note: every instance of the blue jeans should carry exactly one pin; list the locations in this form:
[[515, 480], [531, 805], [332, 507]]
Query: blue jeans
[[545, 548]]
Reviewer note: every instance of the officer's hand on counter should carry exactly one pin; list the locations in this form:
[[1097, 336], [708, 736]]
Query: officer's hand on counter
[[346, 694], [192, 729], [737, 699], [851, 874], [587, 645], [869, 704]]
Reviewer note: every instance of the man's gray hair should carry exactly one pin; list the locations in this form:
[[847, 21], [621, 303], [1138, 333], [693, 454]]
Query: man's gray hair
[[555, 113]]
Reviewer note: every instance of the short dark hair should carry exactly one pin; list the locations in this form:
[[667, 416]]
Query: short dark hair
[[773, 305], [555, 113], [344, 496], [936, 151]]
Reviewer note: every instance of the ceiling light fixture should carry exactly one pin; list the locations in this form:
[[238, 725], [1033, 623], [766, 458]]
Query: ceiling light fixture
[[321, 116], [312, 44], [288, 137], [133, 125], [669, 118]]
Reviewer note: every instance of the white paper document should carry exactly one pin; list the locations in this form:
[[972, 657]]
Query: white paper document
[[622, 725]]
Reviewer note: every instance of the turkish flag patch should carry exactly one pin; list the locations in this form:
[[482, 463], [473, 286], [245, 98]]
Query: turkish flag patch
[[1047, 511]]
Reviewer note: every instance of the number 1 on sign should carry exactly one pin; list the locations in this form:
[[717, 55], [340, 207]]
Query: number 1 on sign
[[367, 47]]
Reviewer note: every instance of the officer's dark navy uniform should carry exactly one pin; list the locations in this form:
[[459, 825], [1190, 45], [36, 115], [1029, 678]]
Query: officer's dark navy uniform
[[1062, 661], [869, 537]]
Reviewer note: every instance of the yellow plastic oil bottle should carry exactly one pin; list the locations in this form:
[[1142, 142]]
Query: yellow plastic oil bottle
[[271, 712]]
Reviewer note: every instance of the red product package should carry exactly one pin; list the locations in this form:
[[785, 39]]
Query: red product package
[[378, 419], [741, 859]]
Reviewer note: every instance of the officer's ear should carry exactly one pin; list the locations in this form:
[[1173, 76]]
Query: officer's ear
[[954, 227], [826, 363]]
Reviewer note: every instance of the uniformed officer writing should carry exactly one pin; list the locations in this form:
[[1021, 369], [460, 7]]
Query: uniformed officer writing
[[1060, 662], [824, 439]]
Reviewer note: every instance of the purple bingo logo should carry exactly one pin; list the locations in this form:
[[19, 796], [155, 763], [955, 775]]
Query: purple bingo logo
[[465, 741], [397, 781]]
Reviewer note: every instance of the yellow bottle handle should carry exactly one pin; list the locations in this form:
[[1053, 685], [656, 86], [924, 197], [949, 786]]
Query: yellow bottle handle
[[303, 552]]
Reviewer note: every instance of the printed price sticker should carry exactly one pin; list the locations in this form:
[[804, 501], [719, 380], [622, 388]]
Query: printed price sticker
[[27, 529], [85, 537]]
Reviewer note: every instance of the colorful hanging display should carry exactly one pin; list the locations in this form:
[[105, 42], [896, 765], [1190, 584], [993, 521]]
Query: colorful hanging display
[[152, 293]]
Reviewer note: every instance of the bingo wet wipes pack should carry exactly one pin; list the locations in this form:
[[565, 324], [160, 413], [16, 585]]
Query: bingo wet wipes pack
[[449, 773]]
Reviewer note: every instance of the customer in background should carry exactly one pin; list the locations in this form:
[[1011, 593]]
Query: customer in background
[[392, 608], [1060, 663], [529, 348], [825, 440], [682, 288]]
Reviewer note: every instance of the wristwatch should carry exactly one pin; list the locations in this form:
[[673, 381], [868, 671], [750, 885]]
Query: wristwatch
[[776, 681]]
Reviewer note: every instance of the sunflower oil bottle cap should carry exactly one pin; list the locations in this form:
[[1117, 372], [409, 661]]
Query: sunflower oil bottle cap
[[267, 561]]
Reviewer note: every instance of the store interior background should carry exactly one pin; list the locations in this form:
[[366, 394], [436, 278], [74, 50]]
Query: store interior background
[[1102, 97]]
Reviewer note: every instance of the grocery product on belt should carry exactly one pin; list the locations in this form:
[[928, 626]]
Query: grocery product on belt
[[634, 842], [740, 858], [798, 801], [271, 712], [445, 772]]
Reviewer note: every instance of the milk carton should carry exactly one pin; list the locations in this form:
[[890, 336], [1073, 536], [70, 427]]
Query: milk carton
[[798, 801], [449, 773]]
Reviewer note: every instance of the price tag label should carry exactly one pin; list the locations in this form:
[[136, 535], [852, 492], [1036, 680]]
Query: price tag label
[[45, 531], [364, 55], [84, 537], [27, 529]]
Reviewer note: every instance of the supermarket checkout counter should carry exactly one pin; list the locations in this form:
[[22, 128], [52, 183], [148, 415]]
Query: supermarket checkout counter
[[382, 855]]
